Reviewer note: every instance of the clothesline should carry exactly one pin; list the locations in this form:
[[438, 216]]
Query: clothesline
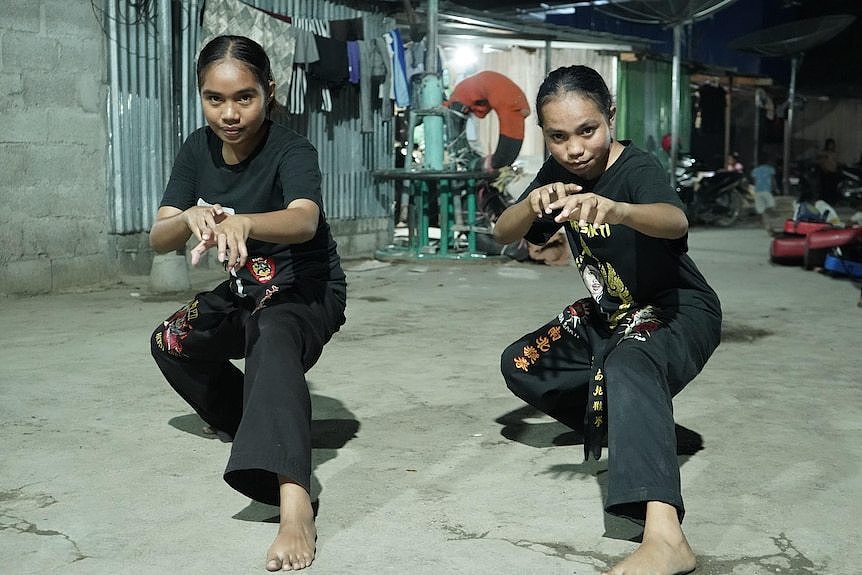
[[328, 54]]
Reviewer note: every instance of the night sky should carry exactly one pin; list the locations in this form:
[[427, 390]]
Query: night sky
[[833, 68]]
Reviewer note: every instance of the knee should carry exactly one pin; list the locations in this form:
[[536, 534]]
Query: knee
[[632, 372], [520, 382], [508, 365], [159, 343]]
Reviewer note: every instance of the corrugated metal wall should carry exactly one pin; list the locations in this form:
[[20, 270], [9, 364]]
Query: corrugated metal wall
[[136, 182]]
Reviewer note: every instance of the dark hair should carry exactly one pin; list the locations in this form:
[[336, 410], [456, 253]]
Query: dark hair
[[239, 48], [582, 80]]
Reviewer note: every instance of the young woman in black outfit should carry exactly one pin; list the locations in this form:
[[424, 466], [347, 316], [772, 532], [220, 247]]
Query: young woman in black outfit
[[250, 189], [609, 364]]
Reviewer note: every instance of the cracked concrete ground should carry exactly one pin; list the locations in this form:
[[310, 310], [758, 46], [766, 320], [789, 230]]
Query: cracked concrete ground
[[424, 462]]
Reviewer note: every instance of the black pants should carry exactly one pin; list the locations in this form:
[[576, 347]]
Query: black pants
[[550, 370], [267, 409]]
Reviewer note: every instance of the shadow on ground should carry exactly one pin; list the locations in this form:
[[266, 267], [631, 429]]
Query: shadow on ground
[[517, 427], [334, 425]]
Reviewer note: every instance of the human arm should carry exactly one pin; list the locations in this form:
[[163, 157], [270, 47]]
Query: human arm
[[295, 224], [173, 227], [514, 223], [643, 200], [658, 220]]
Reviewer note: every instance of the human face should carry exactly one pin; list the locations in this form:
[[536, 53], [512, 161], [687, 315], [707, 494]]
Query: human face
[[592, 281], [234, 104], [578, 134]]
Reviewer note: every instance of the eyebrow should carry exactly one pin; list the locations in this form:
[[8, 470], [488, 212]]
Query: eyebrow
[[578, 128], [240, 92]]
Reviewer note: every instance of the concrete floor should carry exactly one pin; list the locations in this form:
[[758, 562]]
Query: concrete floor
[[424, 462]]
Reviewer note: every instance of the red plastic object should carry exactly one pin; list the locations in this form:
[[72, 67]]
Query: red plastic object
[[803, 228], [833, 237], [787, 249]]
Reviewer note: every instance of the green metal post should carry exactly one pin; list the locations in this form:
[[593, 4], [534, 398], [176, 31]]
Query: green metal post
[[444, 193], [471, 217]]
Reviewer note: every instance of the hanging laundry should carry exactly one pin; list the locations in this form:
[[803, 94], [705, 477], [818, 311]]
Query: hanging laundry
[[276, 15], [347, 30], [385, 58], [763, 101], [332, 66], [299, 80], [353, 61], [400, 85], [277, 37], [414, 58], [366, 115], [711, 103]]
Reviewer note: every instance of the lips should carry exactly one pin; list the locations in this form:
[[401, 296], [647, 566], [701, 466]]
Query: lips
[[231, 133], [577, 166]]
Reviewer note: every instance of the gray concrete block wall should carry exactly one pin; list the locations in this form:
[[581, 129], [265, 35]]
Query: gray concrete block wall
[[53, 219], [361, 237], [53, 157]]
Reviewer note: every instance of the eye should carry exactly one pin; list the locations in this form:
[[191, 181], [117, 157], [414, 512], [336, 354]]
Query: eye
[[558, 137], [589, 130], [245, 99], [212, 99]]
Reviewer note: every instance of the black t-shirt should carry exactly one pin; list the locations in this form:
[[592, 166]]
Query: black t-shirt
[[282, 168], [624, 269]]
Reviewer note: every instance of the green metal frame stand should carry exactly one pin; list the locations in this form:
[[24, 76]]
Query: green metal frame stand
[[422, 186]]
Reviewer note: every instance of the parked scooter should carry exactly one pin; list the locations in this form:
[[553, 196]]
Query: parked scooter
[[712, 197], [850, 185]]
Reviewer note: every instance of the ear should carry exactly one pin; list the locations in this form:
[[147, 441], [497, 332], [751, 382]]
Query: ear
[[613, 114], [270, 92]]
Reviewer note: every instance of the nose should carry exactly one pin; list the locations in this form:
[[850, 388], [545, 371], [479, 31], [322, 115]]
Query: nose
[[229, 114], [574, 149]]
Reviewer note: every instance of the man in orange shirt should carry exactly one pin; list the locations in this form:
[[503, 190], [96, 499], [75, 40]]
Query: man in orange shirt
[[485, 91]]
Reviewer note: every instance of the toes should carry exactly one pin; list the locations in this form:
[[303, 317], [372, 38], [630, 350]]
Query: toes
[[295, 563], [299, 563]]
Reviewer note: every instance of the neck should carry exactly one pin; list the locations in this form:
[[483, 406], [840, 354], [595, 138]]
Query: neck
[[615, 151]]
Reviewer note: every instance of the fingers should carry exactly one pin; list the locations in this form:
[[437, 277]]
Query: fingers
[[232, 250], [223, 254], [543, 199], [202, 220], [198, 252], [585, 208], [215, 227]]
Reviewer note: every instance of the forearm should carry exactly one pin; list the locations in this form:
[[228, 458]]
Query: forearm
[[169, 233], [664, 221], [514, 222], [287, 226]]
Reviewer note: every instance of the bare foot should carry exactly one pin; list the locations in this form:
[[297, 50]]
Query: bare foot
[[294, 545], [664, 550], [657, 558]]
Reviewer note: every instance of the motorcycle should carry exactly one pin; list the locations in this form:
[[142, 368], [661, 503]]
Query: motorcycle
[[805, 182], [714, 197], [850, 185]]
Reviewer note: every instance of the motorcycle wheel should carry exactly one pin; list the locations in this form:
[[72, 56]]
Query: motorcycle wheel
[[728, 206]]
